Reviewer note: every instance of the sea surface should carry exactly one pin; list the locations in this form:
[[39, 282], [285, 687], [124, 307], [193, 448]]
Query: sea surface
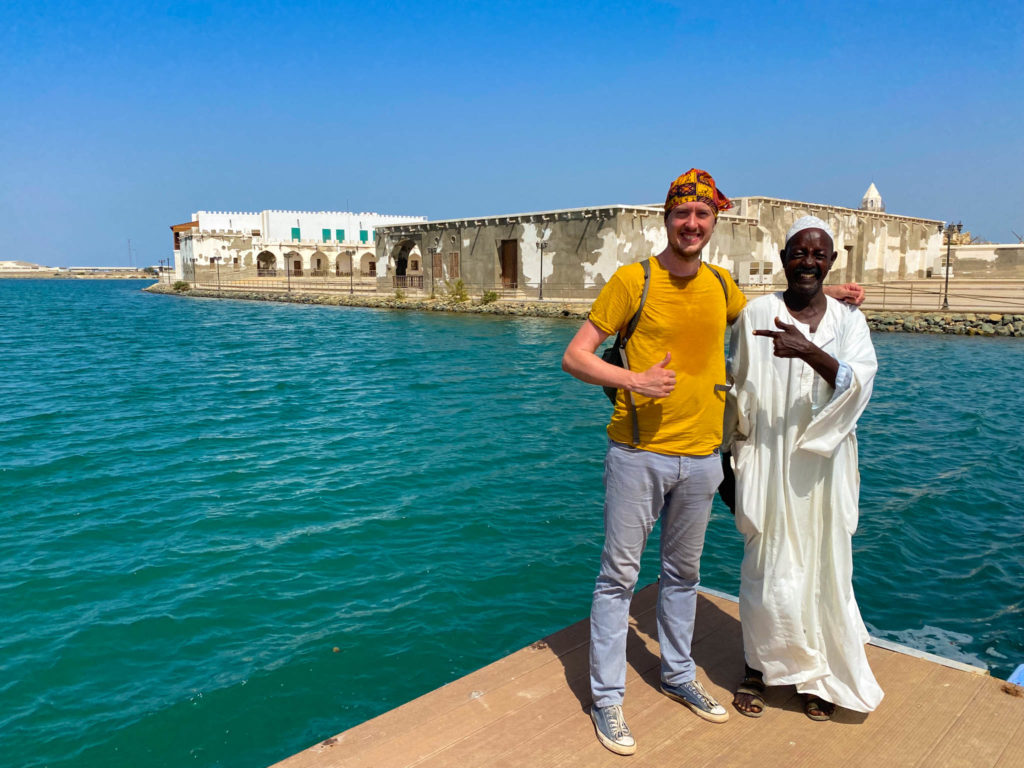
[[231, 530]]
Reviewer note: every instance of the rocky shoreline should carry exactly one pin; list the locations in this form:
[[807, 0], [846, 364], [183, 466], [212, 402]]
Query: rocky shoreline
[[957, 323]]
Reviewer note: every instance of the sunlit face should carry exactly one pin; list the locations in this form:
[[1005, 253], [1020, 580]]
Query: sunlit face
[[807, 258], [689, 227]]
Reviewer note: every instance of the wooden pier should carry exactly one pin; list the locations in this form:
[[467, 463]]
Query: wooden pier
[[531, 709]]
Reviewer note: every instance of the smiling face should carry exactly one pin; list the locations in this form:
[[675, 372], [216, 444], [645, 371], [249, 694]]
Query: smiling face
[[689, 227], [807, 258]]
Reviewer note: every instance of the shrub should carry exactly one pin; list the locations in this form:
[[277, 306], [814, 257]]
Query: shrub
[[489, 297], [457, 291], [180, 286]]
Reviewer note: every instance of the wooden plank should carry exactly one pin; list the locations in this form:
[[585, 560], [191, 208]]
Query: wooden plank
[[570, 731], [922, 716], [667, 732], [469, 721], [531, 708], [344, 748], [990, 728], [1013, 755], [783, 734], [646, 707]]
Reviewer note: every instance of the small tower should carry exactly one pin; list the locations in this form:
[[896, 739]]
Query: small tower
[[872, 201]]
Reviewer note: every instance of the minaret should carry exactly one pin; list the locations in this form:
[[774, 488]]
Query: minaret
[[872, 201]]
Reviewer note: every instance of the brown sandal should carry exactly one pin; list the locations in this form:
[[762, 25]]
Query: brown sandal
[[752, 686], [817, 708]]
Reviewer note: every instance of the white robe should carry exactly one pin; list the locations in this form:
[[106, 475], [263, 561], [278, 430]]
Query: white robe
[[797, 489]]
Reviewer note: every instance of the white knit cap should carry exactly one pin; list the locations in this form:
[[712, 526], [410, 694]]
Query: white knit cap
[[809, 222]]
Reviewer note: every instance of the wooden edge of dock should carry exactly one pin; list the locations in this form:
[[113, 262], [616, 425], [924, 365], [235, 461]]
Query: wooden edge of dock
[[531, 709]]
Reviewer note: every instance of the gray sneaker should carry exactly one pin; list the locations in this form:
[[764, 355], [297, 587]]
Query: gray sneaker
[[612, 730], [693, 695]]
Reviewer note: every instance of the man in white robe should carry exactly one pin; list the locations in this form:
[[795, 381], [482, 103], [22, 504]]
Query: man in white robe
[[803, 366]]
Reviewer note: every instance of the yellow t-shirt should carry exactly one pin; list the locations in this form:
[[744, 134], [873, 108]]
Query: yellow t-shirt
[[686, 316]]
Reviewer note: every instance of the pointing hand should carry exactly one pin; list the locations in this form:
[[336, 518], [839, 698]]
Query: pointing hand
[[788, 342]]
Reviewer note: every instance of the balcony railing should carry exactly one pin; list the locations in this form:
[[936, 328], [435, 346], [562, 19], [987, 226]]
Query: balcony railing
[[266, 272], [409, 281]]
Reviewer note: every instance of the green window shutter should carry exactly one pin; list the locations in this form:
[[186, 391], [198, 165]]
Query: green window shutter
[[363, 235], [327, 235], [375, 235], [340, 234], [295, 234]]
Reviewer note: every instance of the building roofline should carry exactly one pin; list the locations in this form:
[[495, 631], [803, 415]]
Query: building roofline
[[315, 213], [557, 214], [826, 206], [589, 211], [595, 211]]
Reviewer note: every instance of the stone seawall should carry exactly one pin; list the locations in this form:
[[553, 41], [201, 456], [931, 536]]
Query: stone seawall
[[961, 324]]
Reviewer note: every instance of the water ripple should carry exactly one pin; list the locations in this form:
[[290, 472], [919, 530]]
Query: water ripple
[[232, 529]]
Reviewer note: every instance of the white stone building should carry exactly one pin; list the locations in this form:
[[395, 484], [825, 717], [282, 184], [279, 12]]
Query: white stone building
[[272, 243], [22, 268], [576, 250]]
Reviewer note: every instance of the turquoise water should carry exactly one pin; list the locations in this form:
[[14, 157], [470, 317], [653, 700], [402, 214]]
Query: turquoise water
[[233, 529]]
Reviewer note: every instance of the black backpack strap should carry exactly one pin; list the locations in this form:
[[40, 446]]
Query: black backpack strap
[[721, 280], [621, 343], [623, 338]]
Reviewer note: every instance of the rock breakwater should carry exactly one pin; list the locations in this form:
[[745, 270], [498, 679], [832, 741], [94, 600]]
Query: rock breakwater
[[958, 323]]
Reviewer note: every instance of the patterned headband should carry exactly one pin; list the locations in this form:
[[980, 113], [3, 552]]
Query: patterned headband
[[696, 186]]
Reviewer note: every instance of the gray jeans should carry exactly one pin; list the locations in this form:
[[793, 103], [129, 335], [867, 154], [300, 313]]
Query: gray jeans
[[641, 486]]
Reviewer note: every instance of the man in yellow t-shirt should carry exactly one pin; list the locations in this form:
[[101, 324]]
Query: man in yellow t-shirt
[[676, 380]]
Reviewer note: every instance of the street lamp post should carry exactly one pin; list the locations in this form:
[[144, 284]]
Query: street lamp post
[[541, 246], [950, 229], [351, 273]]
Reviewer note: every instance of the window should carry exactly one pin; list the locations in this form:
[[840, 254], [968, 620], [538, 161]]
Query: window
[[327, 235], [373, 268], [339, 235], [374, 235], [296, 234], [363, 235], [414, 265], [453, 265]]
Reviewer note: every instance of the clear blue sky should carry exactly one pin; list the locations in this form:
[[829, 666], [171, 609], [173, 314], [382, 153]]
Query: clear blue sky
[[119, 119]]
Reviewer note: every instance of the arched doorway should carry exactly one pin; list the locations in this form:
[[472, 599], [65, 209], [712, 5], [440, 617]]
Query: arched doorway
[[293, 263], [266, 264], [318, 265], [400, 255], [408, 265], [343, 264], [368, 264]]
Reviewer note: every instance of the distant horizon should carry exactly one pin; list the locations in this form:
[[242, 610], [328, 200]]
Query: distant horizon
[[125, 118]]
